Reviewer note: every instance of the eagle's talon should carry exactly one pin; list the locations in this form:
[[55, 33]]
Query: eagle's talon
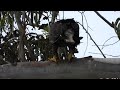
[[54, 59], [70, 56]]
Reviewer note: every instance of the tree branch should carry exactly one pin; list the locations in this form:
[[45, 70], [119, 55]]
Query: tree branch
[[93, 40], [54, 16], [22, 36], [104, 19]]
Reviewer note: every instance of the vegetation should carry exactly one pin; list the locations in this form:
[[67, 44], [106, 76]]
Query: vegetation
[[18, 45]]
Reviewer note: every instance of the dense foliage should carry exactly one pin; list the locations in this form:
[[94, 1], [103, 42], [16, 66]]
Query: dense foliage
[[16, 44]]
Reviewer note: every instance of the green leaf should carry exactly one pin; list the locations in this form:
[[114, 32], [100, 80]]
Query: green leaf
[[2, 23], [10, 21]]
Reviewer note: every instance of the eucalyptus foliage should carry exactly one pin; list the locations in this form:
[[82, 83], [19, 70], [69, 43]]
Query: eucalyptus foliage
[[16, 44]]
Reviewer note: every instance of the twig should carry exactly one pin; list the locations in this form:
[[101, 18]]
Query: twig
[[87, 34], [86, 20], [108, 40], [82, 14], [108, 44], [93, 40]]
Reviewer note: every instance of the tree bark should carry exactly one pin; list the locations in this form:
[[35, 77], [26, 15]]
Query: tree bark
[[83, 68], [21, 28], [54, 15]]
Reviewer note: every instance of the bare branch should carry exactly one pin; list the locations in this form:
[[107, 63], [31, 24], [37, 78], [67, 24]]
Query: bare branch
[[54, 15], [93, 40], [108, 40], [104, 19], [87, 30], [113, 25], [103, 46], [82, 14]]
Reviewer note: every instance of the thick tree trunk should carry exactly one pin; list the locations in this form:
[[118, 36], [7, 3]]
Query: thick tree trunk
[[21, 28], [83, 68]]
